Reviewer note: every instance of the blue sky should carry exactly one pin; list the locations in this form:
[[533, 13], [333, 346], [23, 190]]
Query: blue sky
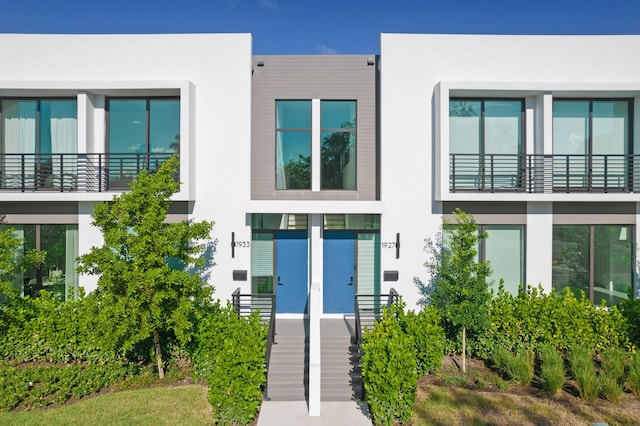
[[324, 26]]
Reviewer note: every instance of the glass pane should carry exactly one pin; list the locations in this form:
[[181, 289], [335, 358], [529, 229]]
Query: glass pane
[[59, 126], [505, 250], [502, 127], [613, 264], [338, 160], [337, 115], [570, 264], [59, 275], [571, 143], [570, 127], [293, 160], [164, 125], [464, 127], [262, 263], [610, 136], [19, 126], [293, 114], [127, 126], [278, 221], [352, 221], [368, 261]]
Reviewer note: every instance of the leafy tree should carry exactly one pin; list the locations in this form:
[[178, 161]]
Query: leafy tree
[[141, 293], [461, 292]]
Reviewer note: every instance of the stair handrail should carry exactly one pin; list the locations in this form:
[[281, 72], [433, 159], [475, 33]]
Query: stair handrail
[[236, 301], [392, 297]]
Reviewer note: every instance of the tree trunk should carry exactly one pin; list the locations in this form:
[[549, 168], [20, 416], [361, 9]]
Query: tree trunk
[[156, 342], [464, 350]]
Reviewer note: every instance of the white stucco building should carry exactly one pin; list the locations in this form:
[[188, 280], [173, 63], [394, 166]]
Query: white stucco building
[[331, 172]]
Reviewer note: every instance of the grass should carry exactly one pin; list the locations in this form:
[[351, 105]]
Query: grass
[[477, 399], [179, 405]]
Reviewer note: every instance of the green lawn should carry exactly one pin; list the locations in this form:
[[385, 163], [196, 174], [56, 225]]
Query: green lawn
[[179, 405]]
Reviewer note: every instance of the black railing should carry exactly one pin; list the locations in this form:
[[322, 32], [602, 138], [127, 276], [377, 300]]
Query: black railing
[[265, 306], [368, 308], [74, 172], [533, 173]]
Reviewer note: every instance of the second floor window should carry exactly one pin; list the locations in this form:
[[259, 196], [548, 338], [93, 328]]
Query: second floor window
[[338, 149], [144, 125], [293, 144], [39, 126]]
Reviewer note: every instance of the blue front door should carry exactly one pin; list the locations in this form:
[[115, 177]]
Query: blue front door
[[291, 272], [339, 272]]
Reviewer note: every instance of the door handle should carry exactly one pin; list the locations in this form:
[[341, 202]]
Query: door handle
[[350, 281], [279, 282]]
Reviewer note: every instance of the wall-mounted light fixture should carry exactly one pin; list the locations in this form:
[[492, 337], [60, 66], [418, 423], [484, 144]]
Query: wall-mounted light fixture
[[397, 245], [260, 63], [233, 245], [371, 61]]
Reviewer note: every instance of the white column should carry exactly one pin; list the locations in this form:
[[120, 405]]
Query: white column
[[315, 311], [315, 145], [88, 236], [539, 244]]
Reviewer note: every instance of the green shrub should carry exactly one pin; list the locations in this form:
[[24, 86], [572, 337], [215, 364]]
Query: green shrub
[[533, 318], [32, 387], [389, 369], [583, 371], [518, 367], [552, 371], [428, 337], [633, 376], [231, 356], [630, 309], [613, 364]]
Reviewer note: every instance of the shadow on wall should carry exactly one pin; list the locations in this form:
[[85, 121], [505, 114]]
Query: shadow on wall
[[208, 254], [433, 248]]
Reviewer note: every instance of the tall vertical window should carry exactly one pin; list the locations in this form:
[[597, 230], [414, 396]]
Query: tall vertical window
[[58, 273], [594, 259], [141, 133], [338, 150], [486, 141], [590, 143], [293, 144]]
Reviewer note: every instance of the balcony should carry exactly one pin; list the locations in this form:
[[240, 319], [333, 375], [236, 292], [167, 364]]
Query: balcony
[[532, 173], [74, 172]]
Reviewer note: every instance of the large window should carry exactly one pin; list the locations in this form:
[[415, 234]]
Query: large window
[[590, 143], [58, 273], [33, 132], [293, 144], [294, 148], [485, 142], [142, 132], [594, 259], [338, 152], [504, 248]]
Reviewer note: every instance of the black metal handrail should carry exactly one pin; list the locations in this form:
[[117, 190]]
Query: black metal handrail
[[536, 173], [99, 172], [370, 306], [265, 306]]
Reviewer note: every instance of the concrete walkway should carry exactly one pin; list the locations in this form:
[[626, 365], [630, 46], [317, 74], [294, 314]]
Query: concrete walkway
[[282, 413]]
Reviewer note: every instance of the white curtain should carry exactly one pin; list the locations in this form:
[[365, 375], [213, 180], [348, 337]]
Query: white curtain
[[64, 140], [19, 137]]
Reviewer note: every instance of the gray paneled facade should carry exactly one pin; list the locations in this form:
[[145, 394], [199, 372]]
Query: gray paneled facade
[[326, 77]]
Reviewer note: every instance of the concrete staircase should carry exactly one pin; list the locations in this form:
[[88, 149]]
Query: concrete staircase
[[287, 379]]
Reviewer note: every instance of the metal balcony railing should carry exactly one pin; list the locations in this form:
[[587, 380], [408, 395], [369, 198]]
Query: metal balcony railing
[[74, 172], [533, 173]]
